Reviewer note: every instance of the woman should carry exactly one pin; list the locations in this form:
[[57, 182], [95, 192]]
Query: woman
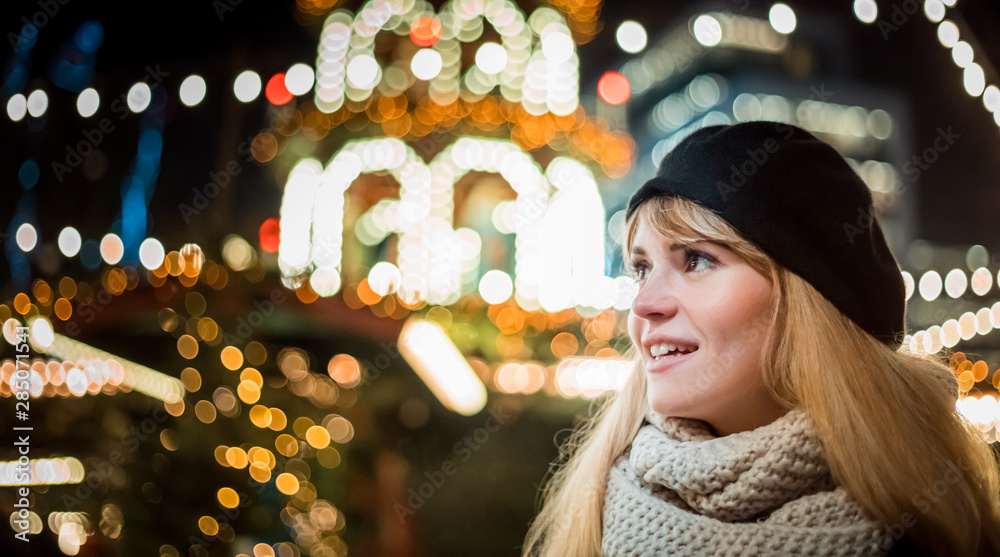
[[772, 409]]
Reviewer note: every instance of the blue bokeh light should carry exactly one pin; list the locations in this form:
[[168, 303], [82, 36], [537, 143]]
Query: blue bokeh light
[[28, 174], [89, 36]]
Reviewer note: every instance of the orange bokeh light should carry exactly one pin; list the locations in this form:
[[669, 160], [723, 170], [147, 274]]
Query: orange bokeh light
[[425, 31]]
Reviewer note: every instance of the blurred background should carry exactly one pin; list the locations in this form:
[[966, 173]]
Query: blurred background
[[318, 277]]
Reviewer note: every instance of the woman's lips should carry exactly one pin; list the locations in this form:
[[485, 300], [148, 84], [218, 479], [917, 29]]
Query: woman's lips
[[667, 361]]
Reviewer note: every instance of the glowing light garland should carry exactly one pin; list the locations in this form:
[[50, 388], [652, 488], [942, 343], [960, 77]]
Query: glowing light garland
[[43, 471], [535, 63]]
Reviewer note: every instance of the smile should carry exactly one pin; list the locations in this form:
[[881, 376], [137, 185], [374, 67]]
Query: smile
[[662, 362]]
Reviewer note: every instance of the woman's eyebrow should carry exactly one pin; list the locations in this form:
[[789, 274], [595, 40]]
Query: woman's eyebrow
[[637, 250]]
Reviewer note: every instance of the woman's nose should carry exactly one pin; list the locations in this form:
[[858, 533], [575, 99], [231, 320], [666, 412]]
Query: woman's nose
[[655, 298]]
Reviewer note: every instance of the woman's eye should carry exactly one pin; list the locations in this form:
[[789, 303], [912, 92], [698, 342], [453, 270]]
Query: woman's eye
[[692, 256], [694, 261], [639, 271]]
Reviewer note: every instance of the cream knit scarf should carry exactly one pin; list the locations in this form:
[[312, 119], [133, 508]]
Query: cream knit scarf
[[680, 490]]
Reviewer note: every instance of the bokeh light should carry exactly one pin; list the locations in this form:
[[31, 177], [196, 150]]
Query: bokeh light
[[139, 97], [631, 36], [496, 287], [247, 86], [557, 46], [87, 102], [425, 31], [782, 18], [17, 107], [276, 92], [491, 58], [707, 30], [866, 10], [26, 237], [69, 241], [112, 249], [934, 10], [974, 79], [151, 253], [193, 90], [38, 103], [299, 79], [287, 483], [426, 64], [948, 33], [270, 235], [362, 71], [613, 88]]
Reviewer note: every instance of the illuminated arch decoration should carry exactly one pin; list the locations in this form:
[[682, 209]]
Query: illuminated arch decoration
[[573, 228], [525, 177], [558, 220], [312, 209], [541, 70]]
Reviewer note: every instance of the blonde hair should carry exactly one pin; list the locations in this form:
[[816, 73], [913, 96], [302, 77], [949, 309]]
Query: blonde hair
[[887, 419]]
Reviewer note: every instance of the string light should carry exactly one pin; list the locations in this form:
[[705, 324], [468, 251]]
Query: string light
[[135, 376]]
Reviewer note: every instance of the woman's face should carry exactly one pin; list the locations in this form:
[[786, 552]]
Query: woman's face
[[710, 309]]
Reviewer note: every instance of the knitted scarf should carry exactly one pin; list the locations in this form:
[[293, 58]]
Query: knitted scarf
[[679, 490]]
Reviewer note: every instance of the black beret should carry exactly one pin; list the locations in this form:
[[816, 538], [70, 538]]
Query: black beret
[[797, 199]]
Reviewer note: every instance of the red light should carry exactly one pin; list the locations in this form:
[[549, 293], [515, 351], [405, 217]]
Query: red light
[[425, 31], [276, 92], [613, 88], [270, 235]]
